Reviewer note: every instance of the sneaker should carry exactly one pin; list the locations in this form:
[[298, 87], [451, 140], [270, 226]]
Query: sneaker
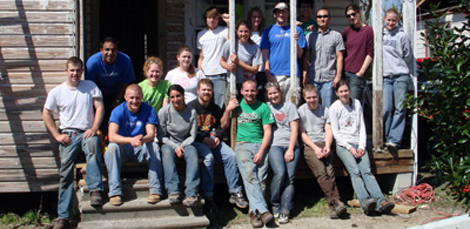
[[283, 218], [333, 213], [391, 145], [340, 208], [369, 207], [210, 208], [96, 198], [239, 200], [174, 198], [386, 207], [191, 201], [267, 217], [61, 224], [115, 200], [154, 198], [255, 220]]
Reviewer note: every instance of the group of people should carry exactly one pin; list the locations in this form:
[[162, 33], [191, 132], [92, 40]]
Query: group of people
[[184, 116]]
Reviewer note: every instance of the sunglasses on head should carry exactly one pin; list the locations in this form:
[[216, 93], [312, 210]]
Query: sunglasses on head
[[322, 16], [351, 14]]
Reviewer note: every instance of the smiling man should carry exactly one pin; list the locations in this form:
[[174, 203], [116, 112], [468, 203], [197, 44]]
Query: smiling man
[[80, 107], [254, 133], [112, 71], [275, 48], [211, 122], [131, 135]]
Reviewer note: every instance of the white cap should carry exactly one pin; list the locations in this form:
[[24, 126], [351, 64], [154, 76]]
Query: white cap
[[280, 6]]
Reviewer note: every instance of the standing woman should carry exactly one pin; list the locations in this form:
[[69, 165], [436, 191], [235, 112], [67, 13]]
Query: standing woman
[[256, 24], [246, 60], [178, 124], [284, 152], [396, 67], [347, 124], [185, 74], [359, 42], [154, 88]]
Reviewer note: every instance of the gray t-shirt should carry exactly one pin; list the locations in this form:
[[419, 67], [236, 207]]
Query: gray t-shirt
[[247, 53], [323, 48], [284, 113], [314, 121]]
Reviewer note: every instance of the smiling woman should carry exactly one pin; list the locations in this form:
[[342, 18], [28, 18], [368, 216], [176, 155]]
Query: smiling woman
[[154, 88]]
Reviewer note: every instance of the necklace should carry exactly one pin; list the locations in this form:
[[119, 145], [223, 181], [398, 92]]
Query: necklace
[[106, 72]]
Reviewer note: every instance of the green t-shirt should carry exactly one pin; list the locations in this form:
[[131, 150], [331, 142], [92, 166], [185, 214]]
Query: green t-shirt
[[307, 24], [154, 95], [250, 121]]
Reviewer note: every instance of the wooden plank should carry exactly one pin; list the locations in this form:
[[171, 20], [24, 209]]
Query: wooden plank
[[35, 29], [25, 90], [25, 138], [48, 5], [35, 77], [22, 103], [44, 150], [34, 65], [37, 40], [21, 115], [24, 186], [36, 163], [29, 174], [22, 126], [404, 153], [39, 53], [398, 209], [36, 16]]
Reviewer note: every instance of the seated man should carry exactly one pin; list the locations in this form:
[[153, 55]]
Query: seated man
[[316, 133], [80, 107], [210, 124], [254, 131], [132, 127]]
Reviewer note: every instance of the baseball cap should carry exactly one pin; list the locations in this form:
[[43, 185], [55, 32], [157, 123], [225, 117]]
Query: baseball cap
[[280, 6]]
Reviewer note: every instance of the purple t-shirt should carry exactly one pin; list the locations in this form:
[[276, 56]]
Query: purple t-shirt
[[359, 43]]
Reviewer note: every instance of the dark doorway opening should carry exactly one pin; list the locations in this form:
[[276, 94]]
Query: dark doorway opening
[[135, 25]]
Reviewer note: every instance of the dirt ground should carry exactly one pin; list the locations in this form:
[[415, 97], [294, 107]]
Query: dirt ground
[[359, 220]]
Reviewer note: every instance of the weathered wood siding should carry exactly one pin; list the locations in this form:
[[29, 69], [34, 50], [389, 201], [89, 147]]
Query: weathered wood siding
[[36, 37]]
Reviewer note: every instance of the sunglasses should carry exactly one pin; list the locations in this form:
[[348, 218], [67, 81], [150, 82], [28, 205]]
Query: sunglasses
[[322, 16], [351, 14]]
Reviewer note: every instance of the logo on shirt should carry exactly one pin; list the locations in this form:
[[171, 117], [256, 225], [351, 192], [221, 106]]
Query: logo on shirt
[[134, 124], [280, 116], [349, 121], [247, 118]]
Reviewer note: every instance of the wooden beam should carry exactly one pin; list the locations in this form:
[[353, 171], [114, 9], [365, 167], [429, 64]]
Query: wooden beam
[[377, 78]]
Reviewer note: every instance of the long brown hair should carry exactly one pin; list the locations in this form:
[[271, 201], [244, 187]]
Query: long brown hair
[[191, 69], [262, 23]]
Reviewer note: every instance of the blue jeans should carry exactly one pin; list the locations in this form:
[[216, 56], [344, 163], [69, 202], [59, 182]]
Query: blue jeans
[[254, 176], [68, 156], [220, 85], [362, 179], [394, 92], [357, 85], [172, 180], [327, 92], [221, 153], [282, 184], [118, 154]]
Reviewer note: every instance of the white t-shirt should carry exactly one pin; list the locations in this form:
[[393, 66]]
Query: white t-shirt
[[347, 124], [256, 37], [211, 43], [75, 105], [188, 83]]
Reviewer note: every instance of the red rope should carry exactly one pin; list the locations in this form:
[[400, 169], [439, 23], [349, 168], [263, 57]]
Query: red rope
[[420, 194]]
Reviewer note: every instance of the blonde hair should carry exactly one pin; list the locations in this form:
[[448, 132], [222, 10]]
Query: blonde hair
[[149, 61]]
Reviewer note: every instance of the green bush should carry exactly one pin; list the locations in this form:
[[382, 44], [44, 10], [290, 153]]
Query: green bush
[[445, 101]]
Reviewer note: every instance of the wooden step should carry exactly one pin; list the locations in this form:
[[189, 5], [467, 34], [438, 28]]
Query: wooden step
[[132, 188], [154, 222]]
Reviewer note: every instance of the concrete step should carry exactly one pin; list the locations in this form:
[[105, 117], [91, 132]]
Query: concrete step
[[153, 222], [132, 188], [137, 208]]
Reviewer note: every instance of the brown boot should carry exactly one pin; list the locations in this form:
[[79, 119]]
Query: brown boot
[[340, 207], [255, 220]]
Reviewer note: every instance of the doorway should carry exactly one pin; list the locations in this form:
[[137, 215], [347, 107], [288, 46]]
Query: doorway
[[135, 25]]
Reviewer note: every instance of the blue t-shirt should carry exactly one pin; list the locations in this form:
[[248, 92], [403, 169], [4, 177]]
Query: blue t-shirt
[[276, 39], [109, 77], [130, 124]]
